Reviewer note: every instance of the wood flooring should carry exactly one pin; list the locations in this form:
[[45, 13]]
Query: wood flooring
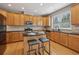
[[18, 49]]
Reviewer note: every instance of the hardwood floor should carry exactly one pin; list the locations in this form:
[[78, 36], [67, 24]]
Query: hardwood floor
[[17, 49], [12, 49]]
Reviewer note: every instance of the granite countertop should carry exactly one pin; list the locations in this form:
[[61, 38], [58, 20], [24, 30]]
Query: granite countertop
[[67, 32], [34, 33]]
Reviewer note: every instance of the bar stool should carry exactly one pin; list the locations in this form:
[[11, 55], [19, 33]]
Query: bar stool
[[30, 44], [44, 40]]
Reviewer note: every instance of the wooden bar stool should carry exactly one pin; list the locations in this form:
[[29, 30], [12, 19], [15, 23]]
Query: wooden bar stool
[[30, 44], [44, 40]]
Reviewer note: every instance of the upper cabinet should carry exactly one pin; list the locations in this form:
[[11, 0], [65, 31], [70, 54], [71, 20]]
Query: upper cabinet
[[20, 19], [75, 14], [4, 13], [10, 19], [15, 19]]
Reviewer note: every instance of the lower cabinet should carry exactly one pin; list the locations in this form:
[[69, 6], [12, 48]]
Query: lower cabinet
[[68, 40], [48, 35], [2, 37], [74, 43], [55, 36], [63, 39], [14, 36]]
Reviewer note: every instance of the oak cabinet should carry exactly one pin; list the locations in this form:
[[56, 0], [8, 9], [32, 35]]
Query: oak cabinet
[[68, 40], [75, 14], [73, 43], [48, 35], [26, 18], [63, 39], [55, 36], [34, 20], [14, 36], [2, 37], [3, 16], [45, 20], [16, 19], [21, 19], [10, 19], [3, 12]]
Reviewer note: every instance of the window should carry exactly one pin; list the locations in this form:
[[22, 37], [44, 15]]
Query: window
[[62, 20]]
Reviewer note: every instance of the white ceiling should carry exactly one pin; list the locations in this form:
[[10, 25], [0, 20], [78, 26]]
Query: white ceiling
[[33, 8]]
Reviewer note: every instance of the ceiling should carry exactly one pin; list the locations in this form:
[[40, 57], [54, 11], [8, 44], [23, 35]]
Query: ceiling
[[33, 8]]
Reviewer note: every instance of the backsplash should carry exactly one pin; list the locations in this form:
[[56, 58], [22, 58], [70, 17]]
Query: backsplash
[[75, 28], [21, 28], [15, 28]]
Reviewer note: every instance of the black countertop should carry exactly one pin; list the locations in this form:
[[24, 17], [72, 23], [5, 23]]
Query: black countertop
[[67, 32]]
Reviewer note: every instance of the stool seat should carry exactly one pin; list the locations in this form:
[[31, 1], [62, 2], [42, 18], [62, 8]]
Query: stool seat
[[44, 40], [33, 42]]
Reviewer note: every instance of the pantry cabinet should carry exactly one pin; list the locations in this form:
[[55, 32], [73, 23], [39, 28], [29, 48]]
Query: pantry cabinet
[[75, 14], [14, 37]]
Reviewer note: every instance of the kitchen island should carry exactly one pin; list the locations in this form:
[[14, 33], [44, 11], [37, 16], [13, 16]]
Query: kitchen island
[[32, 35]]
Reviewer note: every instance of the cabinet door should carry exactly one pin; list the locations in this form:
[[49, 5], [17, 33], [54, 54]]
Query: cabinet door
[[16, 19], [63, 39], [43, 21], [10, 19], [34, 20], [55, 36], [30, 18], [26, 18], [4, 13], [39, 21], [21, 19], [48, 35], [2, 37], [47, 21], [18, 36], [14, 36], [74, 43], [10, 37], [75, 14]]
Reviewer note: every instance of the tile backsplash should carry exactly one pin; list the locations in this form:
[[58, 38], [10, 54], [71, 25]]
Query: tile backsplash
[[75, 28], [15, 28], [21, 28]]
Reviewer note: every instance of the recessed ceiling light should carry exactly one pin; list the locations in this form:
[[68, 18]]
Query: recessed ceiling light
[[9, 5], [22, 7], [41, 4]]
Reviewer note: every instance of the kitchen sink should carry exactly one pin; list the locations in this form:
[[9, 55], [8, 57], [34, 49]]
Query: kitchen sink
[[41, 32], [31, 33]]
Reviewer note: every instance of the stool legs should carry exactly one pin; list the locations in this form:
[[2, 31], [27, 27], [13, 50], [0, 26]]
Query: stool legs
[[49, 47], [43, 48]]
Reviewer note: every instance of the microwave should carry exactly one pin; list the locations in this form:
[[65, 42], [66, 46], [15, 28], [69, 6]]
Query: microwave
[[28, 23]]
